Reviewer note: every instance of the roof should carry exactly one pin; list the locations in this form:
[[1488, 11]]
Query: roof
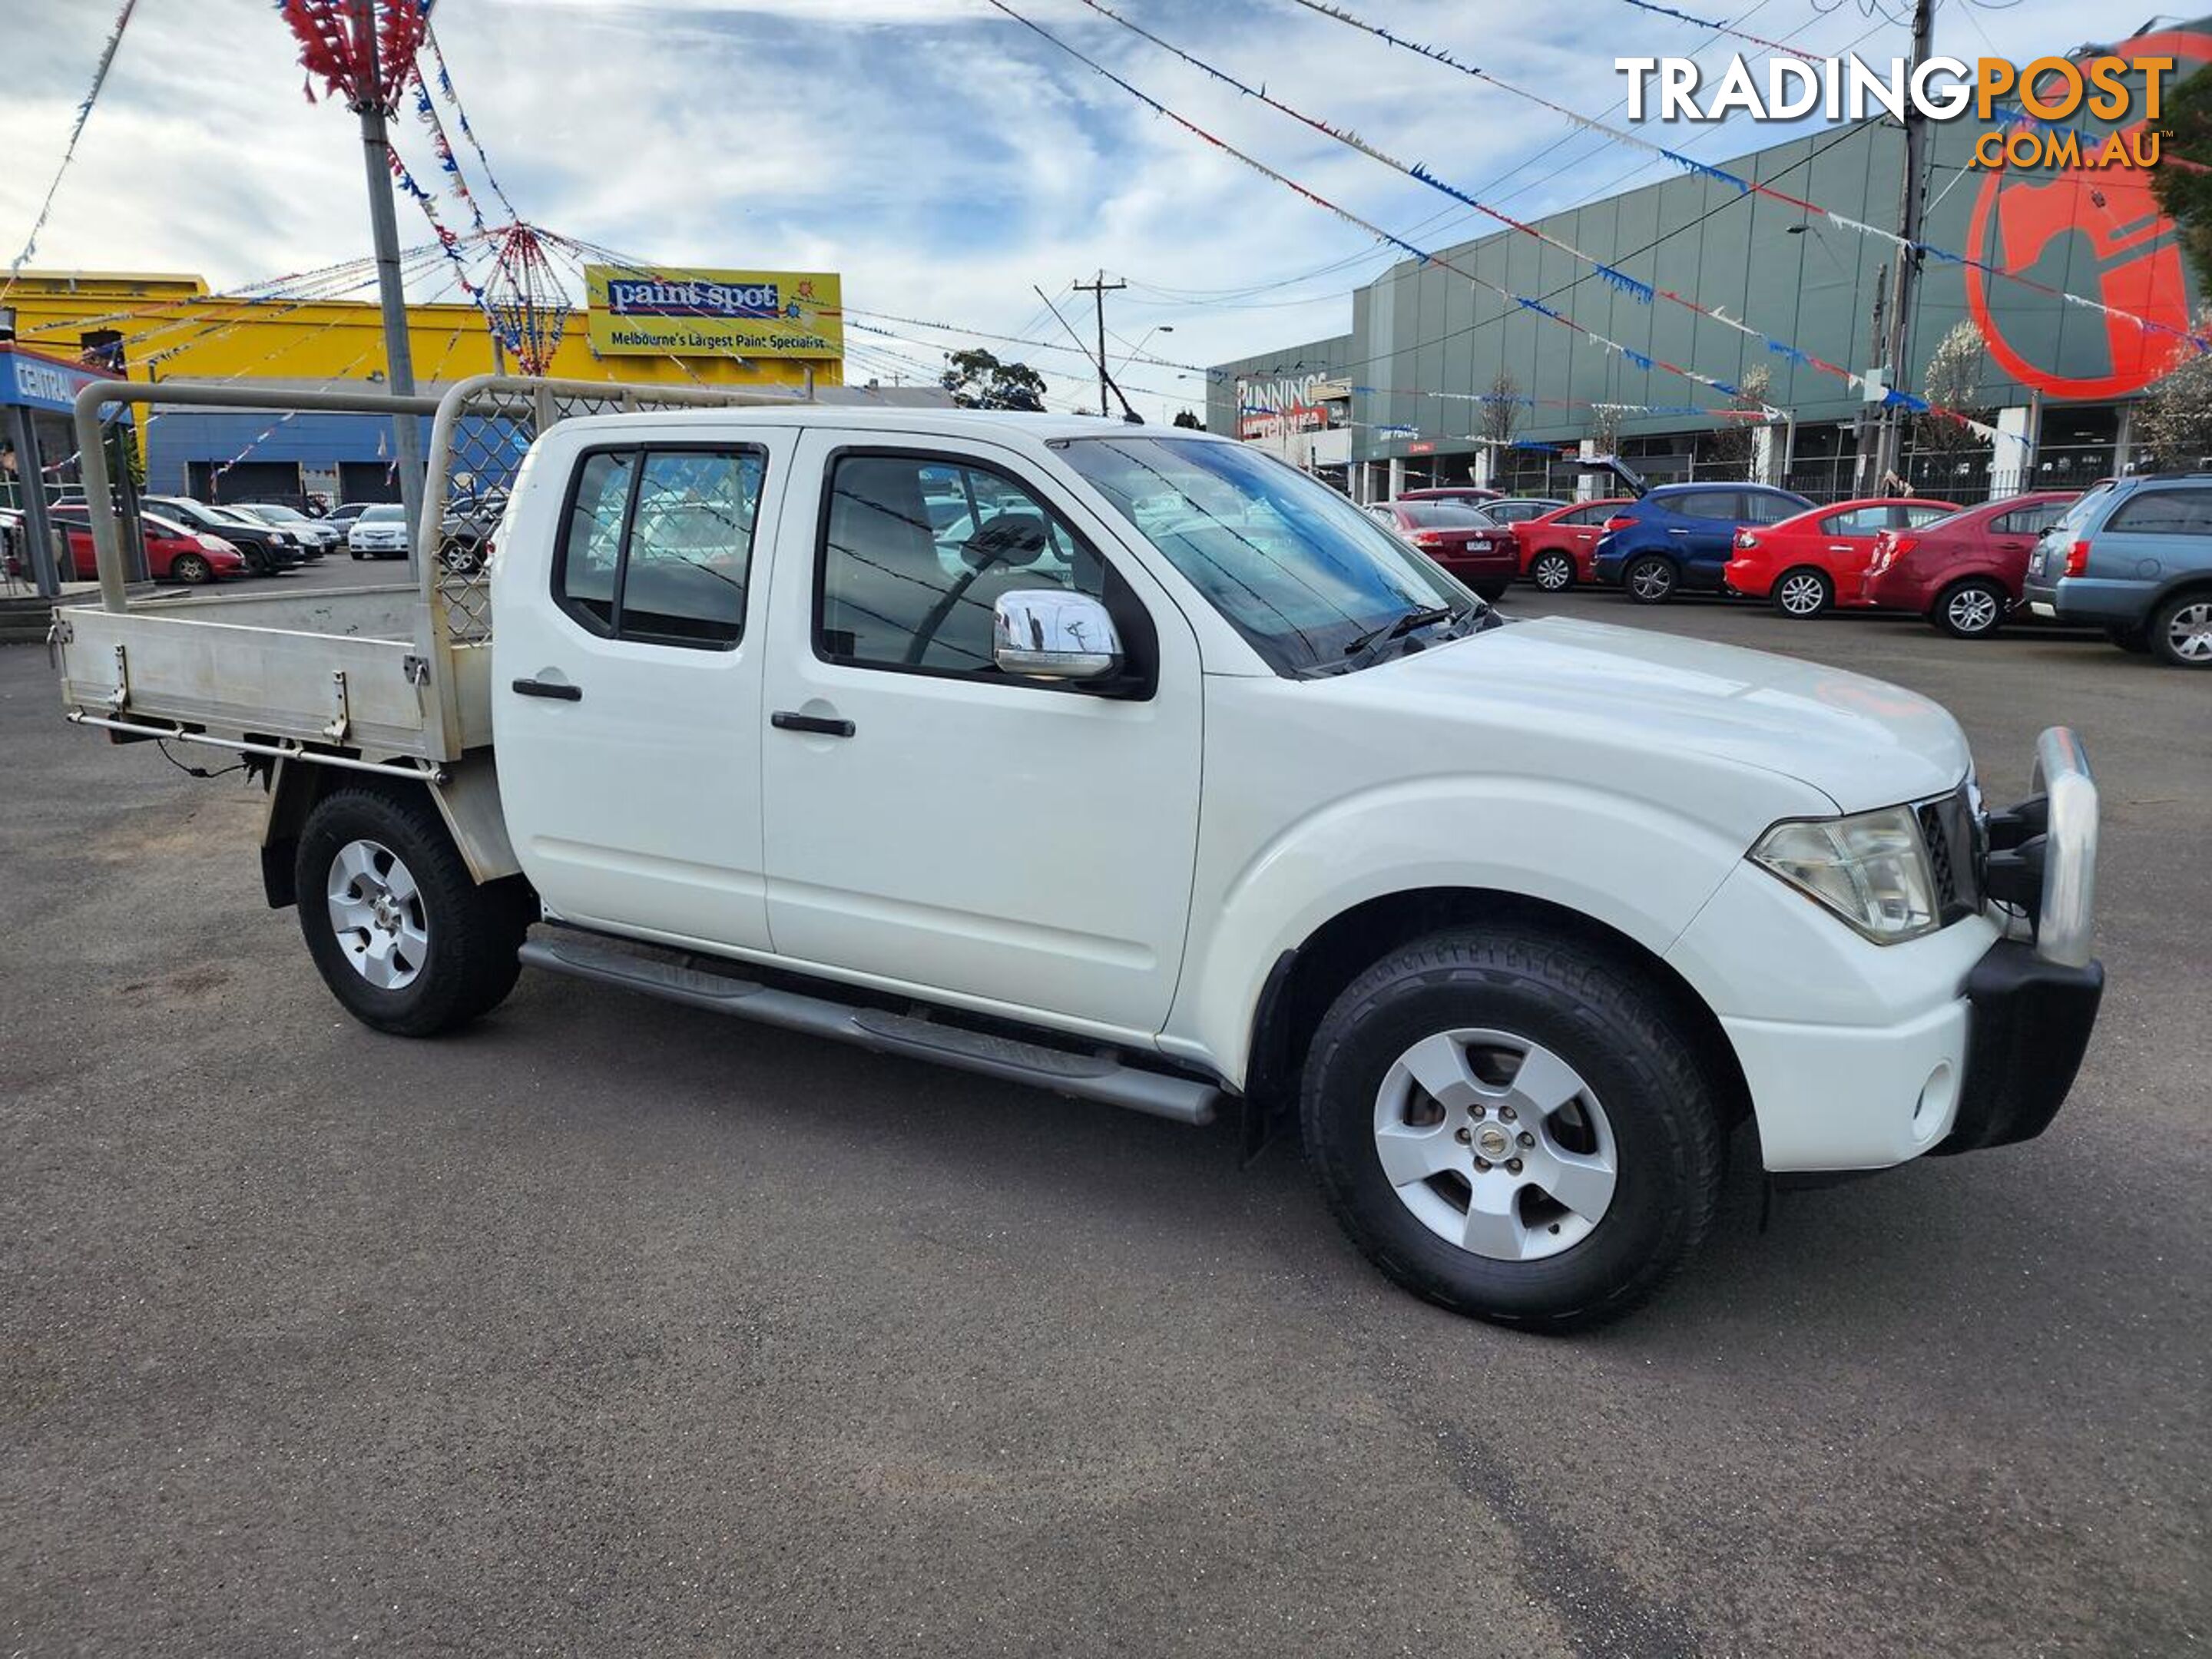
[[998, 423]]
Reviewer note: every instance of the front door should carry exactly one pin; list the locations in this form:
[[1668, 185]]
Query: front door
[[933, 823], [626, 700]]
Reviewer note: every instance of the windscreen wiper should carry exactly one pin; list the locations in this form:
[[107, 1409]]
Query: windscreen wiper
[[1399, 627]]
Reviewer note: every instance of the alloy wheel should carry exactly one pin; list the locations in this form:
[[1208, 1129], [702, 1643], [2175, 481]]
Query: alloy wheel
[[1553, 572], [376, 912], [1651, 579], [1495, 1144], [2189, 632], [1801, 595], [1972, 611]]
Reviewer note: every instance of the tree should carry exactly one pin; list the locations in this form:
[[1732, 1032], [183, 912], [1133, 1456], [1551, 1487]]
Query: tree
[[1188, 422], [2186, 193], [1953, 380], [1501, 410], [1737, 441], [977, 379], [2175, 417]]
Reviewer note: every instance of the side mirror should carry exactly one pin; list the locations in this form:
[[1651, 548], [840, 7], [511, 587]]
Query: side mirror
[[1050, 633]]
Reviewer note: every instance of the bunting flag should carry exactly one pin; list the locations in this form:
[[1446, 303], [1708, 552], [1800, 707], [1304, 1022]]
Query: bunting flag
[[1722, 28], [333, 49], [1350, 218], [69, 151], [426, 113], [1751, 187], [461, 118]]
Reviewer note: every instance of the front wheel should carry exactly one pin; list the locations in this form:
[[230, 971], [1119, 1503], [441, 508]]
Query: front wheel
[[191, 568], [1553, 573], [1803, 592], [1512, 1127], [1649, 579], [1970, 610], [2181, 631], [403, 936]]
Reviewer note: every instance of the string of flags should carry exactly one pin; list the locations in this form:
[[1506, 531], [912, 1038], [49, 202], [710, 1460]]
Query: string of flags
[[461, 117], [69, 151]]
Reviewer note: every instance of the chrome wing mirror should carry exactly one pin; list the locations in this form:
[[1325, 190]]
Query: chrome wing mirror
[[1050, 633]]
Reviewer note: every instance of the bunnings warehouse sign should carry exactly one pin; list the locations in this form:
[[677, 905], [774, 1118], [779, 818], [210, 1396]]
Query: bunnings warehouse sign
[[662, 312]]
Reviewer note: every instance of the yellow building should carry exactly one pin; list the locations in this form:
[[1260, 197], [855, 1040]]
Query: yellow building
[[174, 328], [156, 327]]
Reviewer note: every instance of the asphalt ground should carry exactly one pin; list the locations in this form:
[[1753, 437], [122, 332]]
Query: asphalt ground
[[608, 1327]]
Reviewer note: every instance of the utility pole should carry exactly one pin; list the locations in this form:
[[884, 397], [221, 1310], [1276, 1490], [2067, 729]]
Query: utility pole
[[1907, 274], [399, 357], [1098, 291]]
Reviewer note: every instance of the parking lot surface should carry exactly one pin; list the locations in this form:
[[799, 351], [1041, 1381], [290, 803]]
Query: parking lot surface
[[611, 1327]]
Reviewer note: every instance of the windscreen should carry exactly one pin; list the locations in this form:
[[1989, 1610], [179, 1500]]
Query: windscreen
[[1296, 568]]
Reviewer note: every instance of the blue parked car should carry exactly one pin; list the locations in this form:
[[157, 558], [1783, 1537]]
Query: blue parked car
[[2135, 557], [1678, 538]]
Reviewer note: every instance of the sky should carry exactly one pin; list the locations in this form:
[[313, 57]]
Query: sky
[[938, 155]]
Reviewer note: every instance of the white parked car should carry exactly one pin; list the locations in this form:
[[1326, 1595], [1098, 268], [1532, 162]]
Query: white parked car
[[1233, 798], [380, 532], [312, 534]]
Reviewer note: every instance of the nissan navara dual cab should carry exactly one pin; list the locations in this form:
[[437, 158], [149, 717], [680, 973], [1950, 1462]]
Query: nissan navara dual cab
[[1145, 769]]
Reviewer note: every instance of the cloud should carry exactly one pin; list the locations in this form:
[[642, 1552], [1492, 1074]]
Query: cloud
[[940, 157]]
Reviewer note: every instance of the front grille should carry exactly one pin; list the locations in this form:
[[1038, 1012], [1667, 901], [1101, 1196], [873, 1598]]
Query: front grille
[[1954, 852]]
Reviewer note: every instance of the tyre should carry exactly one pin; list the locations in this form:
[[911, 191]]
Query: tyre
[[1512, 1127], [1491, 592], [462, 558], [355, 552], [190, 567], [1970, 610], [2181, 631], [1803, 594], [2136, 640], [405, 939], [1553, 572], [1650, 579]]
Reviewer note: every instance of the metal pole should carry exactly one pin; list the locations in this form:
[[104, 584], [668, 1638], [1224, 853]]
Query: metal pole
[[398, 355], [31, 482], [1908, 257]]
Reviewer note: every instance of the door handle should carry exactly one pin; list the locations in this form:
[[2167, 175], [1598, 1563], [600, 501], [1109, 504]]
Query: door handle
[[560, 691], [784, 720]]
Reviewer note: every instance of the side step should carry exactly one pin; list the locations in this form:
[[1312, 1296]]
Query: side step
[[1087, 1075]]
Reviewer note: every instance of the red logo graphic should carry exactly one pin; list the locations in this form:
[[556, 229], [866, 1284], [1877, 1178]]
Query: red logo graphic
[[2019, 216]]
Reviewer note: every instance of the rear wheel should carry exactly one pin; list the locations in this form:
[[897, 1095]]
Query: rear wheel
[[1554, 573], [1803, 592], [405, 937], [190, 567], [2181, 631], [1970, 610], [1512, 1127], [1649, 579]]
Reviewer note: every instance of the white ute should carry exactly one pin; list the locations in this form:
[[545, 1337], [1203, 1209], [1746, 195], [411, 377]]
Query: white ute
[[1133, 764]]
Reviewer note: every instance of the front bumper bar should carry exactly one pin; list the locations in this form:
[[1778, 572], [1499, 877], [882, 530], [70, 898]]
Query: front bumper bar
[[2034, 1006]]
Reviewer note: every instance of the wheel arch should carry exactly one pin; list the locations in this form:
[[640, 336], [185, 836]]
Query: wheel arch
[[467, 800], [1307, 979]]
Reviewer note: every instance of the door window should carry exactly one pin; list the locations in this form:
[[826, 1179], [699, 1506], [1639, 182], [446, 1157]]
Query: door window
[[1859, 521], [916, 551], [1587, 515], [1765, 506], [1706, 504], [1917, 517], [659, 544], [2165, 512]]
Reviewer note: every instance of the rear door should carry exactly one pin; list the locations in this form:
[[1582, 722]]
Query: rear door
[[933, 823], [626, 691]]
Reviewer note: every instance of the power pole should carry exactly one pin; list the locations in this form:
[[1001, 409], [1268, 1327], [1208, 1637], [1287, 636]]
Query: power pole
[[398, 358], [1098, 291], [1908, 258]]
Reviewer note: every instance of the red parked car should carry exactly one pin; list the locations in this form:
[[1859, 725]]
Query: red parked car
[[175, 552], [1556, 546], [1810, 564], [1964, 573], [1463, 539]]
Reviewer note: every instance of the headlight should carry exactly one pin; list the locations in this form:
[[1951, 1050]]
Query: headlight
[[1871, 869]]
